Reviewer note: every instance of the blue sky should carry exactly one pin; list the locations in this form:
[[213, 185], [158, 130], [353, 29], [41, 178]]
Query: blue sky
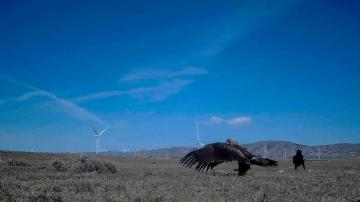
[[250, 70]]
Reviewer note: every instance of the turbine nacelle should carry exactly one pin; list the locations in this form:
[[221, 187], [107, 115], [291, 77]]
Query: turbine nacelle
[[102, 132], [199, 145]]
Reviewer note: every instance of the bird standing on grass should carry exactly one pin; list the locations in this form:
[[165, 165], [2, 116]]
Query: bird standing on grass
[[298, 159], [211, 155]]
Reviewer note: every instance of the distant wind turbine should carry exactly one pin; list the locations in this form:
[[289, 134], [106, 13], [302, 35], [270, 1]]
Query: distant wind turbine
[[318, 148], [265, 151], [198, 143], [311, 152], [284, 153], [98, 136], [137, 153]]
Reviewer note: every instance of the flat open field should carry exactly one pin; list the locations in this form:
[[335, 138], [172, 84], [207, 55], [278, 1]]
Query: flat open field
[[146, 179]]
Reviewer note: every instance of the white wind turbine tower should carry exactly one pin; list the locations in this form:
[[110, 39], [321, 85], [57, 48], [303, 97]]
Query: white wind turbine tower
[[198, 143], [98, 136], [284, 153], [265, 151], [318, 148]]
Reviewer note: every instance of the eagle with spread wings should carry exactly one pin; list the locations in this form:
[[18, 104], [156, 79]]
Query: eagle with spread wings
[[211, 155]]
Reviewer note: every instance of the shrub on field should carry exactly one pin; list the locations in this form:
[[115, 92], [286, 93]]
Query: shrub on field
[[110, 167], [87, 164], [84, 164], [17, 162], [59, 165]]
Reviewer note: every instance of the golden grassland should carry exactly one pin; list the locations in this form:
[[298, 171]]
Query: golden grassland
[[151, 179]]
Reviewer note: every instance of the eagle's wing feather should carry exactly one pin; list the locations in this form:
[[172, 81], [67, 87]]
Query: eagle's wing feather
[[245, 151], [255, 159], [211, 155], [260, 161]]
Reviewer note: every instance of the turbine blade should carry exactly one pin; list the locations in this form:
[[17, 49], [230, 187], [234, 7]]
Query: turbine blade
[[103, 131], [95, 131]]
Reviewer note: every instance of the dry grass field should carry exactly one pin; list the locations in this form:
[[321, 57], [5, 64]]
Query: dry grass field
[[146, 179]]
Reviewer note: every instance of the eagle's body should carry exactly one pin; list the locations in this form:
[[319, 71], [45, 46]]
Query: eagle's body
[[298, 159], [213, 154]]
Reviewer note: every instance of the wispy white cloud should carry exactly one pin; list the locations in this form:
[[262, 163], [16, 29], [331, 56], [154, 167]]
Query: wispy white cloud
[[155, 74], [234, 122], [31, 94], [60, 104], [76, 111], [152, 93], [169, 82], [250, 16], [160, 92], [214, 120], [98, 95], [239, 121], [218, 43]]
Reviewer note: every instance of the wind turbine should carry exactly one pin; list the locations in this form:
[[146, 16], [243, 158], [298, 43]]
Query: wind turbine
[[318, 148], [198, 143], [137, 153], [265, 151], [98, 136], [284, 153]]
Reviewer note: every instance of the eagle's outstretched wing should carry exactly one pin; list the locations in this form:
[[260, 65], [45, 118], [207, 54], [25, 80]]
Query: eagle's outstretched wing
[[248, 154], [211, 155], [254, 159], [260, 161]]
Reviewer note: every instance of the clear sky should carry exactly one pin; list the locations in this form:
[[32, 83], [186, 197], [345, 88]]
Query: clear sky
[[250, 70]]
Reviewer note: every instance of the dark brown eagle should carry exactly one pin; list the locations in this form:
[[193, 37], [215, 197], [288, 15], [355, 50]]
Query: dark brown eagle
[[298, 159], [211, 155]]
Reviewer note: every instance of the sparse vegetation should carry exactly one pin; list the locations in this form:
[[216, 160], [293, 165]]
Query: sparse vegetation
[[88, 164], [150, 179], [84, 164], [17, 162], [59, 165]]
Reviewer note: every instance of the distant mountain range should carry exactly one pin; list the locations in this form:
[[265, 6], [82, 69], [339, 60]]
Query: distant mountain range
[[275, 149]]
